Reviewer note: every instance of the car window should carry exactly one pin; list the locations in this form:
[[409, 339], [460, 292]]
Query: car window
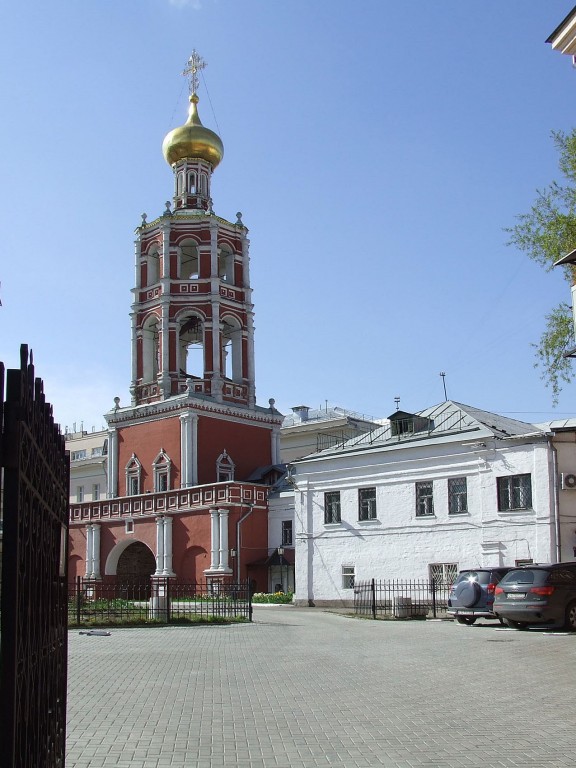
[[562, 576], [482, 577], [524, 576]]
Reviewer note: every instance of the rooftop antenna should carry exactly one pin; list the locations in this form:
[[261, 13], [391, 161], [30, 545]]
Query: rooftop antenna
[[397, 401], [443, 374]]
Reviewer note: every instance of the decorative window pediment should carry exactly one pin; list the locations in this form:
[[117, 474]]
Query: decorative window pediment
[[162, 466], [133, 476], [224, 468]]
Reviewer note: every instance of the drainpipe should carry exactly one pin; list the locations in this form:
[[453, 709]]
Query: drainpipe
[[556, 501], [238, 539]]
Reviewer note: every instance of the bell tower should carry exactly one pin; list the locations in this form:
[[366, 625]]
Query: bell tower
[[192, 312]]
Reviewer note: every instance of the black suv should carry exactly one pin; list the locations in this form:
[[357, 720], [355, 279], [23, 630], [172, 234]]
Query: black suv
[[538, 594], [472, 594]]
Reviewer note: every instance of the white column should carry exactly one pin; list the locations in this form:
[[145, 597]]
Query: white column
[[167, 570], [223, 553], [159, 546], [250, 352], [89, 550], [215, 539], [165, 347], [96, 551], [112, 479]]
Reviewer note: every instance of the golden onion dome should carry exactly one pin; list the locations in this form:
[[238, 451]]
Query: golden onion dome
[[193, 140]]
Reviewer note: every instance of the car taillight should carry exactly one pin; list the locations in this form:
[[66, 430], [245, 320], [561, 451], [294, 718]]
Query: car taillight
[[542, 590], [490, 588], [498, 590]]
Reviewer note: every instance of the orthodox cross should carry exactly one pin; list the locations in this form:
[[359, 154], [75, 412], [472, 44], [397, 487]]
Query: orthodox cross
[[193, 65]]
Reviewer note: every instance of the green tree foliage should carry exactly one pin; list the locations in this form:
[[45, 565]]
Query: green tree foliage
[[547, 233]]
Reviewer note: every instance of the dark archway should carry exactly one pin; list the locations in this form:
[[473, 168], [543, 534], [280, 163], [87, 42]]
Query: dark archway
[[136, 564]]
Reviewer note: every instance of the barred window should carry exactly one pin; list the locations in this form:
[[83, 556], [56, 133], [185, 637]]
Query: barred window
[[367, 504], [332, 507], [348, 577], [287, 533], [514, 492], [457, 496], [424, 499], [443, 573]]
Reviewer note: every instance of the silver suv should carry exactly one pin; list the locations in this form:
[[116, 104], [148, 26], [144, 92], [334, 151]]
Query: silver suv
[[472, 594]]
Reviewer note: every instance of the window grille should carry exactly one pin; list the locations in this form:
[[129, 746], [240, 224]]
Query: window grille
[[348, 577], [332, 507], [457, 496], [514, 492], [443, 573], [366, 503], [424, 499]]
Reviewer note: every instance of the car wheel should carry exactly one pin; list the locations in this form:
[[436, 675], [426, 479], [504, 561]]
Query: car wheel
[[515, 624], [570, 623], [469, 620]]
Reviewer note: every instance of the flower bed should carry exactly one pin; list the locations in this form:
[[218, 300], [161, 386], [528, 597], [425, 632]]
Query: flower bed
[[272, 597]]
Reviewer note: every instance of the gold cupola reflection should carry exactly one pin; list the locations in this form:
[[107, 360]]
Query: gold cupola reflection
[[193, 140]]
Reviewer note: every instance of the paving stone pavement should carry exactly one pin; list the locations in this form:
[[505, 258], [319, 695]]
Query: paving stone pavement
[[304, 688]]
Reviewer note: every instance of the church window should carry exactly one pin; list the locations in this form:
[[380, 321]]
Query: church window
[[133, 477], [189, 261], [150, 350], [191, 347], [224, 468], [226, 265], [161, 466], [231, 364]]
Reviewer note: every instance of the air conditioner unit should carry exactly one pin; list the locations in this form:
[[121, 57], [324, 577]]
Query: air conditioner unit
[[568, 481]]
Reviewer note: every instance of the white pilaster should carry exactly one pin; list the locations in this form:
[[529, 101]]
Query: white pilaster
[[159, 546], [112, 479], [223, 553], [89, 550], [167, 569], [188, 452], [215, 539], [96, 551], [275, 439]]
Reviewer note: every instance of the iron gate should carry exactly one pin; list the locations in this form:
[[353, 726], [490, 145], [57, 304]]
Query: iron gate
[[34, 565]]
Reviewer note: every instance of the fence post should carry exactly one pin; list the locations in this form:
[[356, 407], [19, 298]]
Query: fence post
[[168, 600], [433, 584], [373, 597], [249, 588], [78, 598]]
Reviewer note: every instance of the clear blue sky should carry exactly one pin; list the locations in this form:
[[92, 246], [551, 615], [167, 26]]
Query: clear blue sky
[[376, 149]]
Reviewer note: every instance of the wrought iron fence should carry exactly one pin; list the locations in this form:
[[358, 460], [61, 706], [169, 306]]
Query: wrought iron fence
[[160, 600], [401, 599]]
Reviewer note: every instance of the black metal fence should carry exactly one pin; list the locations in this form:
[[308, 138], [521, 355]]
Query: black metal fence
[[33, 634], [401, 599], [159, 600]]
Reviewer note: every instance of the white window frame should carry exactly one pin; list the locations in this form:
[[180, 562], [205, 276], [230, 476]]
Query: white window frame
[[79, 494], [95, 491], [457, 499], [424, 499], [162, 470], [348, 576], [367, 505], [225, 468], [133, 476], [332, 508]]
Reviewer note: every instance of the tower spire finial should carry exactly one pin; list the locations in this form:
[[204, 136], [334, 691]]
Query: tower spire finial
[[194, 64]]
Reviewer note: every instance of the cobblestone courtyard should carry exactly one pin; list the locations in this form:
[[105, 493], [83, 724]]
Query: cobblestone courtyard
[[301, 688]]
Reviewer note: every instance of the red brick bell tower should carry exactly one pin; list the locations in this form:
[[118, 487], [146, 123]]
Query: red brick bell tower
[[181, 455]]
